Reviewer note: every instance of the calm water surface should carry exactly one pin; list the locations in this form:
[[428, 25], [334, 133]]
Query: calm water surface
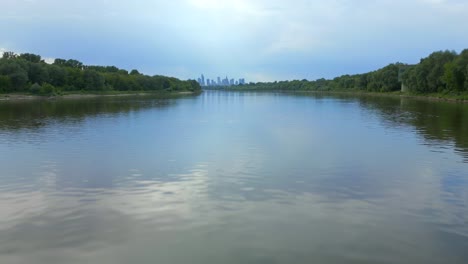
[[229, 177]]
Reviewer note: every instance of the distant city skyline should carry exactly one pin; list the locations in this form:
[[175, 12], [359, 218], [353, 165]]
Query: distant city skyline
[[220, 82]]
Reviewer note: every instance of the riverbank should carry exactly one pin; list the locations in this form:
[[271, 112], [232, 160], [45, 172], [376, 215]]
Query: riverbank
[[431, 97], [461, 98], [71, 95]]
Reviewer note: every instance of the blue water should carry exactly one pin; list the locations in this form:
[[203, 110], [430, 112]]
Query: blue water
[[231, 177]]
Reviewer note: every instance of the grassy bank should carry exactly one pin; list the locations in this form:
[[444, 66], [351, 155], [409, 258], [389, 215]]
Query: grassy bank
[[92, 94]]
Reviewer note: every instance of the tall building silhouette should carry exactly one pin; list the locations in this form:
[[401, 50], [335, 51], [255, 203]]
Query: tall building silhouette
[[219, 82]]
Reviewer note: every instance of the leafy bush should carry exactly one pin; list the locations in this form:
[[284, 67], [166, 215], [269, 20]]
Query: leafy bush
[[35, 88], [48, 89]]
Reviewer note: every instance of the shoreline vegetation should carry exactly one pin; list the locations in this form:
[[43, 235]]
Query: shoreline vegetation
[[26, 76], [443, 75], [92, 94]]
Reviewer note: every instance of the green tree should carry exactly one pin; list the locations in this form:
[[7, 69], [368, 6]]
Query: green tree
[[18, 72], [134, 72], [5, 84], [9, 55], [37, 73], [74, 64], [48, 89], [466, 79], [35, 88], [31, 57], [60, 62], [17, 75], [57, 76], [93, 80]]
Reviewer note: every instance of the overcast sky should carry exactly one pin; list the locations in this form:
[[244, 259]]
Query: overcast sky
[[261, 40]]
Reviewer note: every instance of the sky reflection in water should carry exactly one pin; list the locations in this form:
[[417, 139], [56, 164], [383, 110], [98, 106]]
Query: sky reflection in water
[[234, 178]]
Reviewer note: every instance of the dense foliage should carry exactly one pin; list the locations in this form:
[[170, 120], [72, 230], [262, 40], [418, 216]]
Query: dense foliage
[[441, 72], [29, 73]]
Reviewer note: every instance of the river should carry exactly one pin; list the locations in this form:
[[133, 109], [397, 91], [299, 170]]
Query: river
[[232, 177]]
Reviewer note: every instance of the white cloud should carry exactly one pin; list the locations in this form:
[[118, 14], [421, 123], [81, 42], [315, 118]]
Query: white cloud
[[239, 6], [49, 60], [237, 36]]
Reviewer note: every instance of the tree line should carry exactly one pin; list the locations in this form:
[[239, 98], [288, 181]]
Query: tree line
[[440, 72], [28, 72]]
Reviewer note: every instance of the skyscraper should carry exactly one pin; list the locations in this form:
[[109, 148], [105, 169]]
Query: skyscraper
[[219, 81]]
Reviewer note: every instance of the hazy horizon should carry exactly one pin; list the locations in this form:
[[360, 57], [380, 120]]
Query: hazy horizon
[[257, 40]]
